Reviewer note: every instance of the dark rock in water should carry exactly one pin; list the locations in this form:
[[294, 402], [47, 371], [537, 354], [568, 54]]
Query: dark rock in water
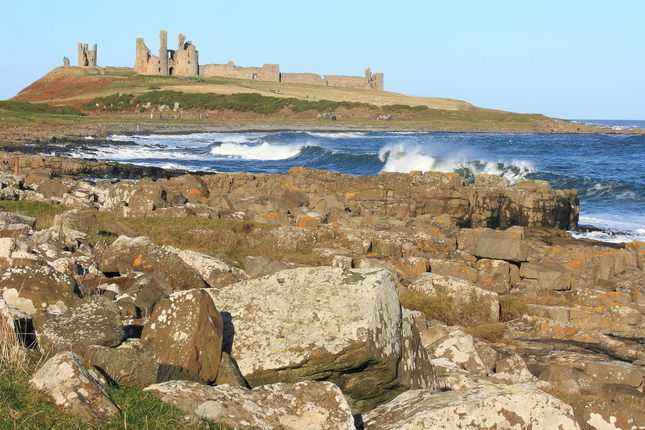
[[80, 168]]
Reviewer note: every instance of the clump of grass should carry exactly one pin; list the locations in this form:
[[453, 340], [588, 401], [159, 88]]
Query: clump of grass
[[441, 306], [492, 332], [24, 407], [512, 306], [12, 352]]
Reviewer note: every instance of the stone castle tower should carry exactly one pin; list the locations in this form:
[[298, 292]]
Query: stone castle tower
[[86, 57], [180, 62]]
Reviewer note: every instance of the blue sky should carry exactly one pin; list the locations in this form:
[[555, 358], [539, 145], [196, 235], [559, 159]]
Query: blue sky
[[567, 59]]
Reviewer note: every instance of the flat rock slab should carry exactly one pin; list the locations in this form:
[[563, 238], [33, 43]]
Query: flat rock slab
[[312, 405], [497, 407]]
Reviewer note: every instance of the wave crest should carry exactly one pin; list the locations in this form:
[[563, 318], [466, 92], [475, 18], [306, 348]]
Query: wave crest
[[404, 158], [264, 151]]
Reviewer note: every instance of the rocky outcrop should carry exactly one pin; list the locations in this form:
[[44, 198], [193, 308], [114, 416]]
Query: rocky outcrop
[[306, 197], [283, 324]]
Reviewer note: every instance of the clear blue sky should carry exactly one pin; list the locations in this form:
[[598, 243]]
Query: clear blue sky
[[573, 59]]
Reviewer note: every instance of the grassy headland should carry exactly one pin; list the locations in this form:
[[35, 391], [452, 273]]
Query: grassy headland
[[121, 100]]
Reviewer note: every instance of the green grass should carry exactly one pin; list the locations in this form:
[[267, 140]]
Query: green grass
[[44, 212], [24, 407], [38, 108], [240, 102]]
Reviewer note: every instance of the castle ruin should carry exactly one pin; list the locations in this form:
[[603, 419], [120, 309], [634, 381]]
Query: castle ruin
[[86, 57], [184, 62]]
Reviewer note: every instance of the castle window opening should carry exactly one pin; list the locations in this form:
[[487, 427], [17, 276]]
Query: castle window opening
[[170, 70]]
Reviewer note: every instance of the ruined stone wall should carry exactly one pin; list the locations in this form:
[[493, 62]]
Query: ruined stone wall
[[371, 82], [302, 78], [181, 62], [86, 57], [184, 61], [145, 63], [268, 72]]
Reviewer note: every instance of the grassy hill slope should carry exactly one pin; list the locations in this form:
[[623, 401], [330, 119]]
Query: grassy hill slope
[[104, 94]]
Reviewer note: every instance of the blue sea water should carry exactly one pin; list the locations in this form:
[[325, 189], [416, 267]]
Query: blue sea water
[[607, 169]]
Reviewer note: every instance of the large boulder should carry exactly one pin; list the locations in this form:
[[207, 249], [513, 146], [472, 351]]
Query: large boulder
[[185, 330], [497, 407], [127, 255], [344, 326], [313, 405], [77, 388], [31, 288], [94, 320]]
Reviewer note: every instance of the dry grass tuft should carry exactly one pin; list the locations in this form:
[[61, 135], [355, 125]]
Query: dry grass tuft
[[441, 307], [12, 352], [492, 332]]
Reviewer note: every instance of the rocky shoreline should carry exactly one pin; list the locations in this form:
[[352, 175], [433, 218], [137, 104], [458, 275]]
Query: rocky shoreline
[[272, 344], [16, 137]]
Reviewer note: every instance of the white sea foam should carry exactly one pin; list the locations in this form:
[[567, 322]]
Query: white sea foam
[[611, 228], [338, 135], [405, 157], [129, 153], [264, 151]]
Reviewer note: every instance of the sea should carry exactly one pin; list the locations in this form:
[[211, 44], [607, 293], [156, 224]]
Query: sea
[[608, 170]]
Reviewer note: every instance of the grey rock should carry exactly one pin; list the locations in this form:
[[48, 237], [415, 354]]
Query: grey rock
[[314, 405], [94, 320]]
